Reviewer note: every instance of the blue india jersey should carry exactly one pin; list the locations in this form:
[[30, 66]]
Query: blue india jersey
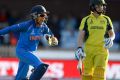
[[30, 35]]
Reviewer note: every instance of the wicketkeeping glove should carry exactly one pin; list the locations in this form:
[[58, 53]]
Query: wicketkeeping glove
[[52, 41], [79, 54], [108, 42]]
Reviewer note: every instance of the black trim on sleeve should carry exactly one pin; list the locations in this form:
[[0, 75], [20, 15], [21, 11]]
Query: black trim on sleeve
[[86, 29], [108, 27]]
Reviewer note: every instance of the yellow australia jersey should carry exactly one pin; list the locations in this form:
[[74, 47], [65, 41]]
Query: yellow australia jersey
[[95, 29]]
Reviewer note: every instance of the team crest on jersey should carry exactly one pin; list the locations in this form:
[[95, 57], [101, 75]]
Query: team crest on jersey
[[102, 22]]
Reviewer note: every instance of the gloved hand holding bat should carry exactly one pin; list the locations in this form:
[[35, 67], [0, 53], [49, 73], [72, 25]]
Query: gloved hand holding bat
[[80, 55]]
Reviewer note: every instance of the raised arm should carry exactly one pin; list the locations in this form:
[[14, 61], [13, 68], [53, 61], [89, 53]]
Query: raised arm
[[13, 28]]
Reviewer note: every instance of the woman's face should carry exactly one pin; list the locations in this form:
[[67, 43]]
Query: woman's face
[[41, 18], [99, 8]]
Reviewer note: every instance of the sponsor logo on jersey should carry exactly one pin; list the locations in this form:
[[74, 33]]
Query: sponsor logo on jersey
[[96, 27], [35, 35]]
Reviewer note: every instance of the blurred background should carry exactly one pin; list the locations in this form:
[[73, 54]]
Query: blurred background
[[64, 20]]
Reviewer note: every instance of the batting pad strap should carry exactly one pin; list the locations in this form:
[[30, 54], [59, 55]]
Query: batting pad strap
[[99, 73], [39, 72], [87, 77]]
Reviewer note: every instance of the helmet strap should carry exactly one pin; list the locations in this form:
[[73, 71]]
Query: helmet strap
[[98, 12]]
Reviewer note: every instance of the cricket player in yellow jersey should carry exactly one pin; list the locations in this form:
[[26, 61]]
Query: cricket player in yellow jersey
[[97, 34]]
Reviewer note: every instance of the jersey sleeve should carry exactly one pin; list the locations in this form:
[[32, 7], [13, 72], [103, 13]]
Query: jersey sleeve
[[109, 24], [13, 28], [82, 25], [47, 30]]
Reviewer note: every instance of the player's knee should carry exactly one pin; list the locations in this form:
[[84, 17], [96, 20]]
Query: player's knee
[[99, 73]]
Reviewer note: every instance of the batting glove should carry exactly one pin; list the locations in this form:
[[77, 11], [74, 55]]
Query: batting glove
[[79, 54], [108, 42]]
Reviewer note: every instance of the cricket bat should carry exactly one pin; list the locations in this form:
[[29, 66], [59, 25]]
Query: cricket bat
[[79, 66]]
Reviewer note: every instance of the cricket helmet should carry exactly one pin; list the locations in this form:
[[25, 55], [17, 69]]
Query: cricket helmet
[[38, 9], [97, 2]]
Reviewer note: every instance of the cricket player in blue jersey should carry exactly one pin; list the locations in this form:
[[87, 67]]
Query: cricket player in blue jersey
[[31, 32]]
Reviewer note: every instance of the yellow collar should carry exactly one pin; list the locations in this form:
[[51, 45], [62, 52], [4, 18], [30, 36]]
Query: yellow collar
[[91, 15]]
